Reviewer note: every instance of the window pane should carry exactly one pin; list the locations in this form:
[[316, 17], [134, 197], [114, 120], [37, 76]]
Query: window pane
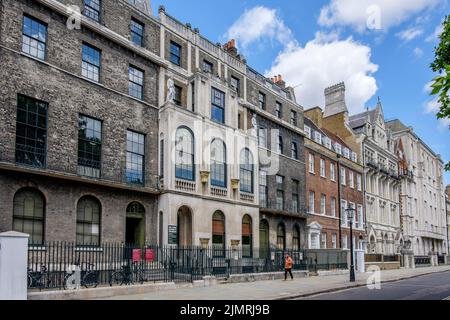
[[34, 37]]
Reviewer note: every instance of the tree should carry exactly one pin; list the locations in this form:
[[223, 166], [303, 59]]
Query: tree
[[441, 64]]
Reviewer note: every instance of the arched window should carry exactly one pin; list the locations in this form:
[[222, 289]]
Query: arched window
[[218, 234], [29, 214], [247, 238], [218, 163], [88, 221], [135, 209], [184, 154], [246, 171], [263, 239], [281, 237], [296, 238]]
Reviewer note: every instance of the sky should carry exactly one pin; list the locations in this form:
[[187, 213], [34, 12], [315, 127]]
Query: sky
[[379, 48]]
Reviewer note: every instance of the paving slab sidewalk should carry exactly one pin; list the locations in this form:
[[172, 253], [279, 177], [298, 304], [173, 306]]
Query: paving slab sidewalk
[[278, 289]]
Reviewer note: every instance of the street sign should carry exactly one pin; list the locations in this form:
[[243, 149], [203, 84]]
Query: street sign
[[173, 234]]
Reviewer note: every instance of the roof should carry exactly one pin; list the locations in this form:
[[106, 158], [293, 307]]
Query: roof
[[360, 119], [336, 138]]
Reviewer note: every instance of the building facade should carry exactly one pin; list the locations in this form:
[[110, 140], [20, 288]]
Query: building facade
[[382, 182], [447, 193], [79, 119], [422, 193]]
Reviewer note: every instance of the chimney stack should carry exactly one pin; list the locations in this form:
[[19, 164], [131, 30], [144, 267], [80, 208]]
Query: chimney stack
[[279, 81], [335, 100], [230, 47]]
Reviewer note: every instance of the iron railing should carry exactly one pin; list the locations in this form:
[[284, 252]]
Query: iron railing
[[422, 261], [51, 265]]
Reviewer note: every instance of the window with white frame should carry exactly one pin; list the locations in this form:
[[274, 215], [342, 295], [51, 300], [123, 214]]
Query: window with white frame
[[343, 177], [332, 172], [359, 182], [318, 137], [334, 241], [322, 168], [354, 157], [323, 202], [344, 242], [338, 148], [308, 132], [360, 213], [324, 241], [311, 163], [327, 142], [344, 213], [351, 180], [311, 201], [333, 207], [347, 153]]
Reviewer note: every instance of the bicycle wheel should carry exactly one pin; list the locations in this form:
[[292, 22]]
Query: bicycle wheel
[[116, 278], [30, 281], [90, 280]]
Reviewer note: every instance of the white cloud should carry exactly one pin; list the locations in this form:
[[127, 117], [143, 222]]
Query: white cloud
[[433, 107], [418, 52], [435, 35], [325, 61], [259, 24], [410, 34], [357, 13]]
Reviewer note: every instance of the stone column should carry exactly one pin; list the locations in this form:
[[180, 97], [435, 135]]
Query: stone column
[[13, 265]]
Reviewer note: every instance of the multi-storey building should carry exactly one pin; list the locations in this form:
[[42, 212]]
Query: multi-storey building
[[231, 141], [334, 175], [79, 121], [422, 195], [447, 197], [382, 181]]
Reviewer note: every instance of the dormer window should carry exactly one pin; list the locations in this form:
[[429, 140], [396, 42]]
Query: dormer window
[[308, 131], [328, 142], [318, 137], [347, 153], [338, 148]]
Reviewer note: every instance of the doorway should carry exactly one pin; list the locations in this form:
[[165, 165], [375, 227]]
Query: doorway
[[135, 225]]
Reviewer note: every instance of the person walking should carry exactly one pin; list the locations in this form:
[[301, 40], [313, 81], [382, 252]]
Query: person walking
[[288, 267]]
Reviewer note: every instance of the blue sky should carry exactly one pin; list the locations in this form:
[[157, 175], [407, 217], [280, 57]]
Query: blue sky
[[378, 47]]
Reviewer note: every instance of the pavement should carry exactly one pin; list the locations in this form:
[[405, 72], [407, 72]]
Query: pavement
[[283, 290], [434, 286]]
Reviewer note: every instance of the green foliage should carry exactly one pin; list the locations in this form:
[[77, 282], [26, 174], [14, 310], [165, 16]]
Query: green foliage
[[441, 64]]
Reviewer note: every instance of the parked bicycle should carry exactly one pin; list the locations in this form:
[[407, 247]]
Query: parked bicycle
[[128, 275], [88, 277], [39, 279]]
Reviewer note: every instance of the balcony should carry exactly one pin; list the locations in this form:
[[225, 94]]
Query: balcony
[[219, 192], [185, 185], [248, 197]]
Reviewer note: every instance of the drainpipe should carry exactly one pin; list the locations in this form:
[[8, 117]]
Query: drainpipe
[[339, 198]]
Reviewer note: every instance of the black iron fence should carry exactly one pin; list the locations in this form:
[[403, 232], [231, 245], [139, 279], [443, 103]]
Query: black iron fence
[[422, 261], [61, 265]]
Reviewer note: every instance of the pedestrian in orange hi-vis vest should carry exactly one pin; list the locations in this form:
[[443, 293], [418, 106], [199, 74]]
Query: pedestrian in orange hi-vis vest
[[288, 267]]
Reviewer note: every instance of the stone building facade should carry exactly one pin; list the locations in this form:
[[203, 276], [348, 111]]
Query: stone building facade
[[422, 194], [382, 182], [79, 119]]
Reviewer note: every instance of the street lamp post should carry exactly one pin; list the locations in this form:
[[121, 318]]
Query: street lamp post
[[351, 214]]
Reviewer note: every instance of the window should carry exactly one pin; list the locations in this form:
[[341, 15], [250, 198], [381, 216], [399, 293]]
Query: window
[[295, 198], [218, 234], [31, 132], [247, 239], [322, 168], [262, 101], [294, 150], [354, 157], [318, 137], [207, 66], [347, 153], [218, 163], [90, 67], [161, 159], [308, 132], [311, 201], [296, 238], [311, 163], [263, 188], [177, 95], [334, 241], [135, 83], [88, 221], [246, 171], [281, 237], [175, 53], [236, 85], [323, 202], [327, 142], [360, 212], [135, 157], [89, 146], [279, 110], [184, 154], [262, 137], [293, 118], [359, 182], [344, 242], [343, 177], [332, 172], [324, 241], [217, 105], [280, 145], [92, 9], [29, 214], [352, 180], [280, 200], [333, 207], [338, 148], [34, 37], [137, 32], [344, 213]]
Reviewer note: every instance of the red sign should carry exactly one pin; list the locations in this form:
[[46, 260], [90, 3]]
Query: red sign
[[136, 255], [149, 255]]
